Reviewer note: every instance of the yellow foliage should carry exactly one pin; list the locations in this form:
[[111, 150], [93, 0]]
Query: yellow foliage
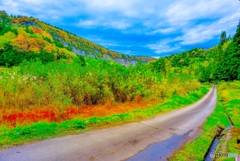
[[185, 71], [21, 31], [171, 69], [181, 61], [8, 35], [65, 53], [6, 38], [225, 45], [50, 48], [46, 34]]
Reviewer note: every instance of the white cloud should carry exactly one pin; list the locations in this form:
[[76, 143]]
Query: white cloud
[[163, 31], [164, 46], [121, 24], [87, 23], [182, 12], [157, 57], [202, 33]]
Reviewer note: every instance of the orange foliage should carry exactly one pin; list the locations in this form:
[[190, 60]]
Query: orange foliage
[[22, 43], [55, 113], [49, 48], [37, 30]]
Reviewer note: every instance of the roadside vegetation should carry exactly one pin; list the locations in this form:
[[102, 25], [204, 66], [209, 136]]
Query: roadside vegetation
[[230, 97], [230, 140], [44, 130], [62, 87], [229, 100], [214, 124]]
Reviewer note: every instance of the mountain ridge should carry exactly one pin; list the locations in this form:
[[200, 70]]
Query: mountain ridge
[[79, 45]]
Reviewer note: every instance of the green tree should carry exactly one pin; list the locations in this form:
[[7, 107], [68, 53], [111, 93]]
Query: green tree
[[159, 65], [15, 31], [229, 38], [47, 39], [69, 48], [10, 57], [46, 57], [223, 37], [28, 31], [229, 67], [206, 72], [220, 53]]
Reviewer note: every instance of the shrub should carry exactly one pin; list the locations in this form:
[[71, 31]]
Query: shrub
[[79, 124]]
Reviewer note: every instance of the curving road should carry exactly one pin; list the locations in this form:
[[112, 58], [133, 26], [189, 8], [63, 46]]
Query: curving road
[[126, 142]]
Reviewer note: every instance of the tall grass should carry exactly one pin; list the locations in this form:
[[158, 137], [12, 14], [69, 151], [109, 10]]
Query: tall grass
[[34, 85], [230, 97], [42, 130]]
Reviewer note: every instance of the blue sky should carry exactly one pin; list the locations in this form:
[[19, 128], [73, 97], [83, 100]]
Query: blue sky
[[137, 27]]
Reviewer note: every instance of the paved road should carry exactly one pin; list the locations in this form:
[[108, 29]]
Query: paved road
[[120, 142]]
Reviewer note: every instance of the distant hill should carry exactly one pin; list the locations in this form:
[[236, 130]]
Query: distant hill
[[78, 45]]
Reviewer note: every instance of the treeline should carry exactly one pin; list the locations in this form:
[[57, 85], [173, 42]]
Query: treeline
[[229, 66], [15, 51], [4, 29], [10, 57], [226, 64], [218, 63]]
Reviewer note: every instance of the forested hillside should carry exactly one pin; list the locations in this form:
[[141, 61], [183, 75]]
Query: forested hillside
[[221, 62], [36, 36]]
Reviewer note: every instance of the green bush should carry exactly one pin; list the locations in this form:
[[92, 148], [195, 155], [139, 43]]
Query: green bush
[[79, 124]]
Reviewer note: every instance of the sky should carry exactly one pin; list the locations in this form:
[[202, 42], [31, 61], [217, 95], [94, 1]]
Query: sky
[[152, 28]]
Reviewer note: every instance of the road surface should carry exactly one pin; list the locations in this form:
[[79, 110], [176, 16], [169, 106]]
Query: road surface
[[124, 142]]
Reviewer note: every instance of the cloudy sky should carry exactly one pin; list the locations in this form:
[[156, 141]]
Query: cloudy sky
[[137, 27]]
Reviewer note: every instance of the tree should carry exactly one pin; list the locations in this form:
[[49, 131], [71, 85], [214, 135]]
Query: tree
[[159, 65], [10, 57], [220, 53], [223, 37], [229, 68], [229, 38], [82, 59], [47, 39], [27, 30], [15, 31], [205, 76], [46, 57], [69, 48]]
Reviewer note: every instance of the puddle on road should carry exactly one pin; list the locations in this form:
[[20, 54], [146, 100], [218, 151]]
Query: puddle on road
[[162, 150]]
